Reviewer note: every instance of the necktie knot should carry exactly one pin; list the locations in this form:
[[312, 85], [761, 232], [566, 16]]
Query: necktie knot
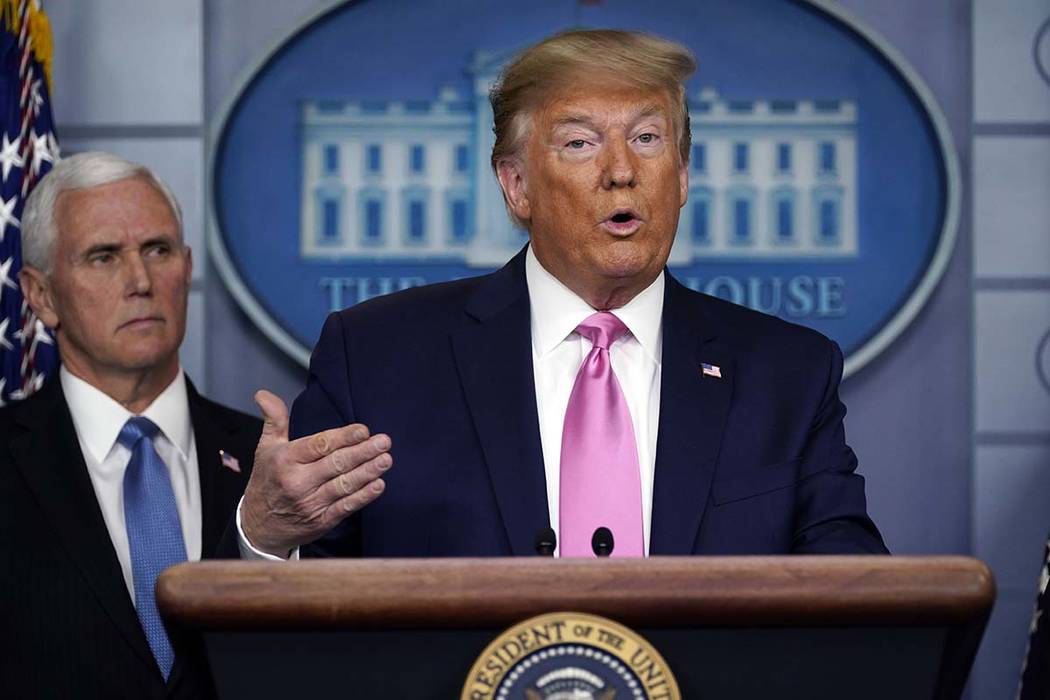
[[135, 429], [602, 329]]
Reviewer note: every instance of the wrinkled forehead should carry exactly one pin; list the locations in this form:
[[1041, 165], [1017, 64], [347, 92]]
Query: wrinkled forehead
[[600, 114], [575, 83], [610, 96], [131, 197], [115, 208]]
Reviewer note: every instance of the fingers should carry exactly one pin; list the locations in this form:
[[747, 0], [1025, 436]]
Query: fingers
[[275, 416], [353, 502], [314, 448], [347, 459], [345, 484]]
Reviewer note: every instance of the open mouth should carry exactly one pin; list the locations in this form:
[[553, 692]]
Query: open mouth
[[623, 216], [622, 221]]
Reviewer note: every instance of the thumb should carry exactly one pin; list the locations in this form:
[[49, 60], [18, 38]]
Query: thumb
[[275, 417]]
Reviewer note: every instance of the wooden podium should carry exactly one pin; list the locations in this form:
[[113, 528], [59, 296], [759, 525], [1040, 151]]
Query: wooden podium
[[729, 627]]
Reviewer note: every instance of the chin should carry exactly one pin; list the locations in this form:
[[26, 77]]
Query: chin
[[144, 359], [629, 265]]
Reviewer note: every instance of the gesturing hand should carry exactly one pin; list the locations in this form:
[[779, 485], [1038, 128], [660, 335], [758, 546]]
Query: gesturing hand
[[300, 490]]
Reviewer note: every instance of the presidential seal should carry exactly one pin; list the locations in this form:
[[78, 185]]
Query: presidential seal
[[570, 656]]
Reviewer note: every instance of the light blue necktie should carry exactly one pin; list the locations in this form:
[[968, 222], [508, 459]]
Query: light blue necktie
[[154, 532]]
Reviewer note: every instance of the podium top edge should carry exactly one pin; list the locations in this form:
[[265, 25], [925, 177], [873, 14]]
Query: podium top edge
[[661, 591]]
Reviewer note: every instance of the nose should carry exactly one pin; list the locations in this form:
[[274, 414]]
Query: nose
[[138, 275], [619, 167]]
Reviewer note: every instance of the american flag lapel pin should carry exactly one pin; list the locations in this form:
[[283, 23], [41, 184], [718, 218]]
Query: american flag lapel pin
[[230, 462], [709, 370]]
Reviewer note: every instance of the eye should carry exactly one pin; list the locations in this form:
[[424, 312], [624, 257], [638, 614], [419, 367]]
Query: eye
[[101, 258], [158, 250], [647, 138], [576, 143]]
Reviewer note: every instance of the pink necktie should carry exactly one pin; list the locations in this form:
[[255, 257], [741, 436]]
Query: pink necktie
[[600, 485]]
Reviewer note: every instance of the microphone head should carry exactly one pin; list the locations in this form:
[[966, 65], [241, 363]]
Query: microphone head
[[546, 542], [602, 542]]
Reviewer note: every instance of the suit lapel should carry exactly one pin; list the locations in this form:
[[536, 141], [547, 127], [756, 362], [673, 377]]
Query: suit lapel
[[693, 410], [494, 360], [47, 453], [221, 487]]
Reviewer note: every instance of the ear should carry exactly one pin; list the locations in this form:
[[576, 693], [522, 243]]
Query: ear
[[511, 175], [188, 252], [36, 288], [683, 184]]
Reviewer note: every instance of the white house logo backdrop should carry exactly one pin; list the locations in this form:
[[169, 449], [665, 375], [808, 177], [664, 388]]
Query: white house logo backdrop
[[354, 162]]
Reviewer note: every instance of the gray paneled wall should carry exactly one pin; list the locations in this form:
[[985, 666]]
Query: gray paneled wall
[[952, 423], [1011, 281]]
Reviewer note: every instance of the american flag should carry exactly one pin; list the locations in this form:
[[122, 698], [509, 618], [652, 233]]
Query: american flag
[[229, 461], [709, 370], [27, 149]]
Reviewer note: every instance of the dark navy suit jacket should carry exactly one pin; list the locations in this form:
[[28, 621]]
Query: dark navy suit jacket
[[754, 462]]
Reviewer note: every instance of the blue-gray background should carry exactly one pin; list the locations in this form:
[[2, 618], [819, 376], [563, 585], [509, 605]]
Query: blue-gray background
[[952, 423], [759, 49]]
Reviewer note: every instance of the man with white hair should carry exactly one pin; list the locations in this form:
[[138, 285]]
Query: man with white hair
[[117, 467]]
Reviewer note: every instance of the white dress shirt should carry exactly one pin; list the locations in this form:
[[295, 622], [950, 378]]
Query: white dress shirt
[[558, 352], [98, 420]]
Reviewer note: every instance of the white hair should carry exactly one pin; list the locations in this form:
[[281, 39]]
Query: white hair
[[79, 171]]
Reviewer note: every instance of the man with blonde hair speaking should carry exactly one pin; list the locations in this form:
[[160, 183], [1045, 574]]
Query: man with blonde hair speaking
[[581, 386]]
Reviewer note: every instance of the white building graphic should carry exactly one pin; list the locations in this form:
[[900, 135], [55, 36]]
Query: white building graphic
[[410, 180]]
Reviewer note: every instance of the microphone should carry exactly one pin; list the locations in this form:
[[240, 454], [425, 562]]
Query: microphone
[[545, 542], [602, 542]]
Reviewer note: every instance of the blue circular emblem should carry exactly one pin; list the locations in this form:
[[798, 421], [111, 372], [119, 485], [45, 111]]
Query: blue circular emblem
[[570, 656], [353, 162], [571, 671]]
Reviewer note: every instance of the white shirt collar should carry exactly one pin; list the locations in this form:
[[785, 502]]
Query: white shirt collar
[[98, 418], [556, 311]]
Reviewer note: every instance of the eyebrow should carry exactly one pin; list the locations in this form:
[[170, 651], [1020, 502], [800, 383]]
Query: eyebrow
[[101, 248], [574, 120], [648, 110], [116, 247]]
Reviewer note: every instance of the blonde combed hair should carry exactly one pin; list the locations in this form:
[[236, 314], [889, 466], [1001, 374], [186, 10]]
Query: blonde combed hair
[[631, 59]]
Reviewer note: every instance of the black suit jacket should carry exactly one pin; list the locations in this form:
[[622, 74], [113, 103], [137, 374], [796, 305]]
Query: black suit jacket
[[68, 628]]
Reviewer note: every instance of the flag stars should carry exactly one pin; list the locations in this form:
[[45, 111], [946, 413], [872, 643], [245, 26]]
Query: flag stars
[[36, 98], [5, 276], [4, 342], [41, 334], [7, 215], [34, 335], [43, 150], [9, 158]]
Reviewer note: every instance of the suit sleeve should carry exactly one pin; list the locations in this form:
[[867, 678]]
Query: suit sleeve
[[324, 404], [831, 511]]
